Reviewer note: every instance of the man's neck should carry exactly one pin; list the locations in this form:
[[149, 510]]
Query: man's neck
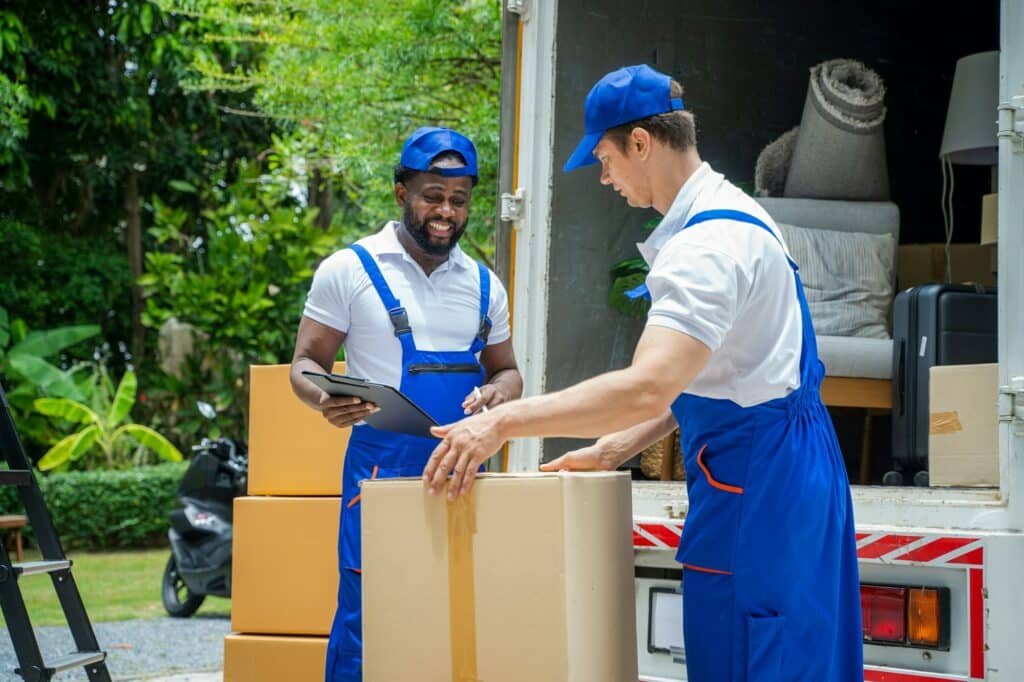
[[428, 261], [669, 172]]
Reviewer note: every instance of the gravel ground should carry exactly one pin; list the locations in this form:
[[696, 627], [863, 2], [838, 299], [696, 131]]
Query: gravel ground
[[139, 649]]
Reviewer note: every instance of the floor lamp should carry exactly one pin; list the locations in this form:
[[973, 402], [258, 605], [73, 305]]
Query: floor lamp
[[969, 137]]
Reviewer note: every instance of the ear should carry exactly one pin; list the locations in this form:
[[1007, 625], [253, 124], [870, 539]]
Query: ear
[[400, 193], [640, 139]]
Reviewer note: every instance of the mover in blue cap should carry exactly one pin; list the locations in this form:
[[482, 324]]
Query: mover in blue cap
[[770, 589], [415, 312]]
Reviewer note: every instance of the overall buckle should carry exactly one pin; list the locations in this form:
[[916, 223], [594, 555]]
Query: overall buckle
[[400, 321], [485, 329]]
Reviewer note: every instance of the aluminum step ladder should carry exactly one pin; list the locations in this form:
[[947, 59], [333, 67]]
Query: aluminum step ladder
[[31, 666]]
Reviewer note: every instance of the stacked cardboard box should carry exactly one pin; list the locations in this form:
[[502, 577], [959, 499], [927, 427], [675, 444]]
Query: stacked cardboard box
[[530, 577], [284, 566]]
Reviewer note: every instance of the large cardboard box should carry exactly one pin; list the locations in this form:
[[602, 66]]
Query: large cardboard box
[[258, 658], [530, 578], [919, 264], [293, 450], [963, 433], [285, 566]]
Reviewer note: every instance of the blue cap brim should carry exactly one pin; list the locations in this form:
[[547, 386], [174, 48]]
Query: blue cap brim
[[584, 154]]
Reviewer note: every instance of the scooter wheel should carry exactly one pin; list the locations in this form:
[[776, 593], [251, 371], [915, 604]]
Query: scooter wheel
[[178, 599]]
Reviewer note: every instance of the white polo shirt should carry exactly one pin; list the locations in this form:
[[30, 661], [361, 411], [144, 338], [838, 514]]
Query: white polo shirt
[[443, 309], [728, 285]]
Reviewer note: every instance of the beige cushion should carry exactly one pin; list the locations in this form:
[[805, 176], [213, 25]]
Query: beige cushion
[[847, 277]]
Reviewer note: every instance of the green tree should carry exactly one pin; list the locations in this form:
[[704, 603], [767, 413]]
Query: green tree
[[351, 80], [97, 118]]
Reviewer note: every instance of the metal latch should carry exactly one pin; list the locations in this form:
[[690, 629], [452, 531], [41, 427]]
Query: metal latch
[[519, 7], [1011, 401], [1011, 122], [678, 654], [512, 206]]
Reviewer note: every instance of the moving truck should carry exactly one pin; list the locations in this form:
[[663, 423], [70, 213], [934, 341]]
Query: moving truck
[[940, 567]]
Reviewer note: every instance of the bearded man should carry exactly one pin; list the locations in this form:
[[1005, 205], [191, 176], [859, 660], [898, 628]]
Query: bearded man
[[415, 312]]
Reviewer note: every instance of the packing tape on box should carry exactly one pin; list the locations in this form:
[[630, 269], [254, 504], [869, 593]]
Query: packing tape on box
[[944, 422], [461, 588]]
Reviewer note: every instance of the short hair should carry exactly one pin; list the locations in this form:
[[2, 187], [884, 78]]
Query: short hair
[[403, 174], [676, 128]]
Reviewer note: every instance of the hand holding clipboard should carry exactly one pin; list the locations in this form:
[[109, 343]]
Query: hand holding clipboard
[[396, 412]]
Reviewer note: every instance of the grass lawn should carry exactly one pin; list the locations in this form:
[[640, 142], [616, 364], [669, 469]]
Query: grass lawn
[[114, 586]]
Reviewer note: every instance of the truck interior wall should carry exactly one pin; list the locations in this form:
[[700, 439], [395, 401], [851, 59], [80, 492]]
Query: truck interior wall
[[744, 65]]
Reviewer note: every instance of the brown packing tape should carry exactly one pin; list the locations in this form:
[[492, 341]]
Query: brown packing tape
[[944, 422], [461, 588]]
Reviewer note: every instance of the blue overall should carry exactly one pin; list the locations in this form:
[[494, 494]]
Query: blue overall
[[437, 381], [770, 583]]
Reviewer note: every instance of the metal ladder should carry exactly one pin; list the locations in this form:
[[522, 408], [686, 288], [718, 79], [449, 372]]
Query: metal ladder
[[32, 667]]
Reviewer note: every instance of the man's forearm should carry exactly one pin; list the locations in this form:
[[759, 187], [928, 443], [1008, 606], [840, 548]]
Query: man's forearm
[[620, 446], [509, 382], [664, 364], [305, 389]]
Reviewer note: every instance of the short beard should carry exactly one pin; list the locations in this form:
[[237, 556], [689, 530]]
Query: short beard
[[420, 233]]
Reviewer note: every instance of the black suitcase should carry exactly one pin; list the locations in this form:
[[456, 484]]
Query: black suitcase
[[934, 324]]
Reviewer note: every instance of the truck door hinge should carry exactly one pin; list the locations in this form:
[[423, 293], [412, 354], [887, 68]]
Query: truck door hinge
[[1011, 122], [520, 7], [512, 206], [1011, 401]]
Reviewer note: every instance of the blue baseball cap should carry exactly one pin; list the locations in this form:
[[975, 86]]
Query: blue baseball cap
[[426, 144], [628, 94]]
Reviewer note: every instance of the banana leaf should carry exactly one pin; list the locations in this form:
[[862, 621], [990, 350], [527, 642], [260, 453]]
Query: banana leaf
[[149, 438], [48, 343]]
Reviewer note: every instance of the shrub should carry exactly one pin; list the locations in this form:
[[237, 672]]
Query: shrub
[[107, 509]]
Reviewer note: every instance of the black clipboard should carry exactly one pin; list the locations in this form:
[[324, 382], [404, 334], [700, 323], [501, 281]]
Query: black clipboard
[[397, 412]]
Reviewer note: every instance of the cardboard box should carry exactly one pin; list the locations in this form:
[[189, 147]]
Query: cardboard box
[[918, 264], [963, 433], [531, 578], [293, 450], [990, 219], [284, 577], [257, 658]]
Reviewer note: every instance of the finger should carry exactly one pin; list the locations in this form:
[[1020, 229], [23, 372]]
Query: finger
[[337, 400], [554, 465], [471, 406], [469, 478], [459, 472], [432, 463], [441, 431], [444, 467], [350, 411]]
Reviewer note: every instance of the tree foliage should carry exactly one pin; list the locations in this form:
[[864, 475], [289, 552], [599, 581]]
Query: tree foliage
[[352, 80]]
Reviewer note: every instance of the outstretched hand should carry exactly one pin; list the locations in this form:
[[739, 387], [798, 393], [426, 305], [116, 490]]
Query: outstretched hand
[[463, 448], [593, 457]]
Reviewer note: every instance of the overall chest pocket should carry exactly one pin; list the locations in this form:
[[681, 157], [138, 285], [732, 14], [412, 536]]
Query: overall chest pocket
[[716, 491], [443, 368]]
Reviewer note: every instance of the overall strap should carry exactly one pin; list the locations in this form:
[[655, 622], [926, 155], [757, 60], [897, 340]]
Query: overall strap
[[399, 317], [809, 364], [485, 303], [741, 217]]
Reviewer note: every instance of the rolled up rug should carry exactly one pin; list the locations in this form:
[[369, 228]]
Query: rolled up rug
[[773, 165], [840, 149]]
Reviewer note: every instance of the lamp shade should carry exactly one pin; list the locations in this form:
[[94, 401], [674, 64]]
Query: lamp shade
[[971, 127]]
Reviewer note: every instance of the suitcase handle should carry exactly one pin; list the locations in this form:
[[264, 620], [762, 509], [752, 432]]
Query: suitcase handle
[[901, 376]]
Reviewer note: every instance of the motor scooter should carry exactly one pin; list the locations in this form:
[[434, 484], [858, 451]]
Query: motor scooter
[[201, 529]]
